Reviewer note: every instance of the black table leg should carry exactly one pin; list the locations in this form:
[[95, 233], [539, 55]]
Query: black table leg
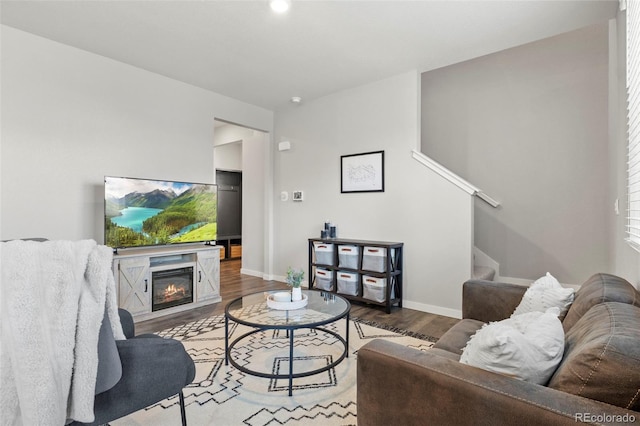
[[347, 335], [226, 340]]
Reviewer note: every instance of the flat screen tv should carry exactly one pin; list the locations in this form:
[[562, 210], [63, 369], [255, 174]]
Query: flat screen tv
[[146, 212]]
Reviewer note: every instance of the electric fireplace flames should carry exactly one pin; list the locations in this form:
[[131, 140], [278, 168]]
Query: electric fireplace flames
[[171, 288]]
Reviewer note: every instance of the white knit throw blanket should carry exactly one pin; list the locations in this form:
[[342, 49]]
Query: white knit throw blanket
[[53, 298]]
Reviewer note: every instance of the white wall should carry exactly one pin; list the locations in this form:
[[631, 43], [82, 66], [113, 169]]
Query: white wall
[[255, 160], [228, 156], [432, 218], [529, 126], [70, 117], [227, 139]]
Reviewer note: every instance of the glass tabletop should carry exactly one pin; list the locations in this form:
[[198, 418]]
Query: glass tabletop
[[322, 308]]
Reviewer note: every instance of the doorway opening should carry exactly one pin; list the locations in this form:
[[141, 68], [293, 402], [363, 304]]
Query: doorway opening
[[242, 162], [229, 213]]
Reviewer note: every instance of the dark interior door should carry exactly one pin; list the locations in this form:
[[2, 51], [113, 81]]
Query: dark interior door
[[229, 204]]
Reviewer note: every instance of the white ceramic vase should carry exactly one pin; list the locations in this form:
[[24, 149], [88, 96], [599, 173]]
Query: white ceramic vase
[[296, 294]]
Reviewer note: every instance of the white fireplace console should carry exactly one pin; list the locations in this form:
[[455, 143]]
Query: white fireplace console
[[159, 281]]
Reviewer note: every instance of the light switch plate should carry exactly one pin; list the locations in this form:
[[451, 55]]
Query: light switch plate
[[284, 146]]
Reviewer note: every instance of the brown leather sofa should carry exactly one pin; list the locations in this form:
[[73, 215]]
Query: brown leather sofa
[[597, 381]]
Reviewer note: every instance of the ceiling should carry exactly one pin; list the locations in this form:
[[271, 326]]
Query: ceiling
[[242, 50]]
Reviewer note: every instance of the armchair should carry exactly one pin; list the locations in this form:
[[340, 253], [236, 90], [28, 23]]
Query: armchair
[[131, 374], [152, 369]]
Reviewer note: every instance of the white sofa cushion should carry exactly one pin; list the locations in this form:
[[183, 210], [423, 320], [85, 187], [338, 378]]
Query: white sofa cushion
[[546, 292], [527, 346]]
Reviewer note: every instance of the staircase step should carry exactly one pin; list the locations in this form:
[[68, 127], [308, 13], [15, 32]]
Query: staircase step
[[483, 273]]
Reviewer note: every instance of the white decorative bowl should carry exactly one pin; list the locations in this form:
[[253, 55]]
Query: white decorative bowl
[[286, 304], [283, 296]]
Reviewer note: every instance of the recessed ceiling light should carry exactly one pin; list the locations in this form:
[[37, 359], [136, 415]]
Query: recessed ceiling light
[[280, 6], [296, 100]]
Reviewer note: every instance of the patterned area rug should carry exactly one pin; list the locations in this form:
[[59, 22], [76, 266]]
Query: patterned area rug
[[223, 395]]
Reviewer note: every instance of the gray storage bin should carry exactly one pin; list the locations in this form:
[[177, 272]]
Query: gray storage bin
[[375, 259], [324, 279], [348, 256], [347, 283], [374, 288], [324, 253]]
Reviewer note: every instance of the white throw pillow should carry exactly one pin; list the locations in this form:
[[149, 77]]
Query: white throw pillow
[[528, 346], [545, 293]]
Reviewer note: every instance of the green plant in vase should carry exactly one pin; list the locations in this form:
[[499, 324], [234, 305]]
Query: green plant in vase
[[294, 277], [294, 280]]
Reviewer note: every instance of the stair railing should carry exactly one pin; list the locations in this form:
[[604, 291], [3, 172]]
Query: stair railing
[[454, 178]]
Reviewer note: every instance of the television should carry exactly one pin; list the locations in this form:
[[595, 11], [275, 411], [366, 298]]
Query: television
[[147, 212]]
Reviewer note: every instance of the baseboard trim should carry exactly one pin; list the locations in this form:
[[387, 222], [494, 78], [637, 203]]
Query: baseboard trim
[[422, 307], [252, 273], [432, 309]]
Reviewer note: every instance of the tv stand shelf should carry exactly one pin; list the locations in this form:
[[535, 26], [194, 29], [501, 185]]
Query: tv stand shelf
[[390, 271], [134, 270]]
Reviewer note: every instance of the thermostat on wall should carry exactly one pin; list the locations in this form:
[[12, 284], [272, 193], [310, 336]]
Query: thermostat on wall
[[297, 196]]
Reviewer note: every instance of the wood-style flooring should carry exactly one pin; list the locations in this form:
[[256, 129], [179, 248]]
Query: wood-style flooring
[[233, 284]]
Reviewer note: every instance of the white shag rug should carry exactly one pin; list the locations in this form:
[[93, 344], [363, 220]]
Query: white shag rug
[[224, 396]]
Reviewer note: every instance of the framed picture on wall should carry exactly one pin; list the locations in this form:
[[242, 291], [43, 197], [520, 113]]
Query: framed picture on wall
[[362, 172]]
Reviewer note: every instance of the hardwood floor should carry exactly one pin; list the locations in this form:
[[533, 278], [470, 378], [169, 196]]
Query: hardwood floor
[[233, 284]]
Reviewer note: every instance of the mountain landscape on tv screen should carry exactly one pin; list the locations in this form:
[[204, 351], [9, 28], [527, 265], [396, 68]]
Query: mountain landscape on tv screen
[[160, 215]]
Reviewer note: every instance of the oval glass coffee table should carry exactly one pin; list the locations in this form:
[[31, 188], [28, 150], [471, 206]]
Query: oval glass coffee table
[[252, 310]]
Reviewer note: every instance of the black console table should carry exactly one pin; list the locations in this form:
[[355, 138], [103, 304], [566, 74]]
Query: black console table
[[371, 271]]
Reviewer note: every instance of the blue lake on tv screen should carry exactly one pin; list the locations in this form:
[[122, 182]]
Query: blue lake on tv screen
[[132, 217]]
